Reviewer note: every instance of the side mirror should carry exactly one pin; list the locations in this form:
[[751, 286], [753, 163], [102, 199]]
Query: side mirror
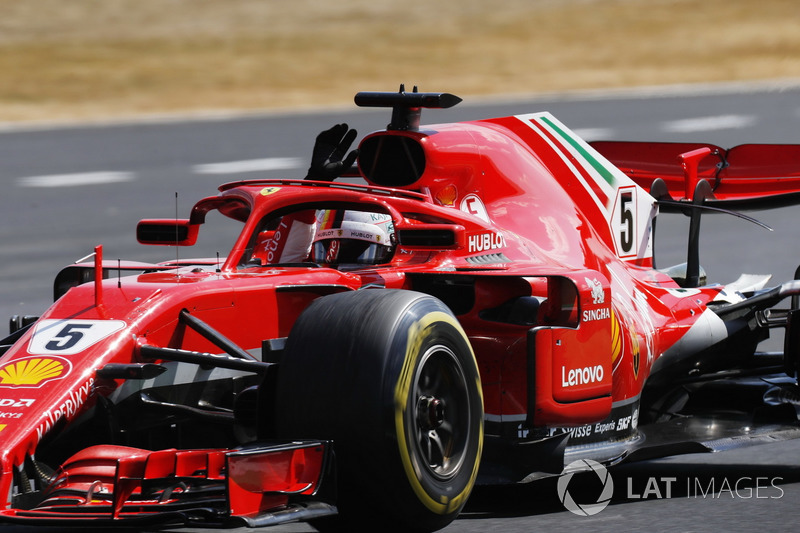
[[167, 232], [431, 236]]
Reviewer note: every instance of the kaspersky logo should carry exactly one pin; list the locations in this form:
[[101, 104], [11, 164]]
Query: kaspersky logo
[[33, 372]]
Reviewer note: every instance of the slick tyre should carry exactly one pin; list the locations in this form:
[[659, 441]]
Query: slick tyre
[[391, 378]]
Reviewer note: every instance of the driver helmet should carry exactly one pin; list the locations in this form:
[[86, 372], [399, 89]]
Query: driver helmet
[[352, 237]]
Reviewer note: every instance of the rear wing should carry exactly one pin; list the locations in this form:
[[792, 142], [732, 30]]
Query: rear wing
[[748, 176], [696, 177]]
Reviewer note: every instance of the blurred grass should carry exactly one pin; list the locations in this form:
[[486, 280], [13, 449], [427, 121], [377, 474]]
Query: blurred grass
[[85, 59]]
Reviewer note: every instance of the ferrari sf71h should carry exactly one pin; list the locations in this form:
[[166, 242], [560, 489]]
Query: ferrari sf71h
[[480, 306]]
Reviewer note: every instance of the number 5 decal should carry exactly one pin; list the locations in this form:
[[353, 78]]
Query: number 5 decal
[[67, 338], [624, 223], [70, 336]]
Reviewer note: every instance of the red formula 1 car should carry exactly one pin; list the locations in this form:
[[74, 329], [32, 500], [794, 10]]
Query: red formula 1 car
[[485, 309]]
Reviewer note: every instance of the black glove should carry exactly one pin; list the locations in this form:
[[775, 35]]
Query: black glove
[[327, 160]]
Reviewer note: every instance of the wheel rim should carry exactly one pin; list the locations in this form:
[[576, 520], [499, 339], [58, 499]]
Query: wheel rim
[[441, 408]]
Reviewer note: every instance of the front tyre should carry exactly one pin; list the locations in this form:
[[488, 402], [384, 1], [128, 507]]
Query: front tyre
[[390, 377]]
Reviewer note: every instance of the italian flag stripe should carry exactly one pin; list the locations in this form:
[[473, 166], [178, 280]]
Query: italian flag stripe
[[581, 171], [588, 156]]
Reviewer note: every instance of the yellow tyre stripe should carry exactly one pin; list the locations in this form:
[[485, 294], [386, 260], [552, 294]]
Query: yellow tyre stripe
[[415, 338]]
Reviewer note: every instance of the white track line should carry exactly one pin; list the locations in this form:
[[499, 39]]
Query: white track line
[[251, 165], [594, 134], [75, 180], [720, 122]]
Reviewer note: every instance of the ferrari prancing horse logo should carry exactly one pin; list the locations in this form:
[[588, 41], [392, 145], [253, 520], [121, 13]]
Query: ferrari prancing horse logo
[[635, 351]]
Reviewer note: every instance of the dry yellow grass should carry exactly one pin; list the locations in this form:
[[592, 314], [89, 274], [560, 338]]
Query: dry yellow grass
[[80, 59]]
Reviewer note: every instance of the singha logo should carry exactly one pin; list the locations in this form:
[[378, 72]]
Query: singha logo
[[598, 296]]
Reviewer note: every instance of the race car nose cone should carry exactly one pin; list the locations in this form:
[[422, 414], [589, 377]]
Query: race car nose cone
[[430, 412]]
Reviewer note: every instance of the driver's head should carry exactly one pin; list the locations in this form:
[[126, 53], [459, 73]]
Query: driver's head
[[352, 237]]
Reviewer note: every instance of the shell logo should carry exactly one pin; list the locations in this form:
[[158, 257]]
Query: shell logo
[[447, 195], [33, 371]]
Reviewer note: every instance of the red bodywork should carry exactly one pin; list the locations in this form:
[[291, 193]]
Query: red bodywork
[[529, 213]]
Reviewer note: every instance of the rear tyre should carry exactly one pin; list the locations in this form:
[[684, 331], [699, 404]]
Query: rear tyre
[[390, 377]]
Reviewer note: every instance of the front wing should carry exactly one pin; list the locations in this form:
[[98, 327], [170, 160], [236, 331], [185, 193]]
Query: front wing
[[254, 486]]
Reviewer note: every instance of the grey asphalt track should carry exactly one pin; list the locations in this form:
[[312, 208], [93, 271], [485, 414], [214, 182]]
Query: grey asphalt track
[[43, 228]]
